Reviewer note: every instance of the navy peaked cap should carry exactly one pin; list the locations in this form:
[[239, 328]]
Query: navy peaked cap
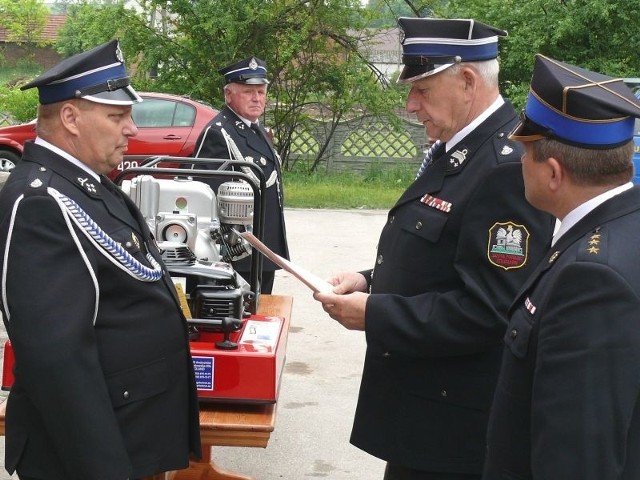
[[97, 75], [251, 70], [430, 45], [577, 107]]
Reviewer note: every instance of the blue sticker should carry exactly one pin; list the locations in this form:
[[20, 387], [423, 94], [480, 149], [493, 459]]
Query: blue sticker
[[203, 368]]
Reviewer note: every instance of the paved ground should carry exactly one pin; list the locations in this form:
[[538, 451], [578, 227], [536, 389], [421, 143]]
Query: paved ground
[[324, 361]]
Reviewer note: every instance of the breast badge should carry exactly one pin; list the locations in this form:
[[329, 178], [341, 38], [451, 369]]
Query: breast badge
[[508, 245]]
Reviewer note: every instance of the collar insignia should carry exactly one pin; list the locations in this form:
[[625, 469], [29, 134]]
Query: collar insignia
[[553, 256], [240, 124], [458, 157], [135, 240], [263, 161], [88, 186]]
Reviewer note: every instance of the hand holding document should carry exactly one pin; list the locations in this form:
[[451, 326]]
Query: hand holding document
[[312, 281]]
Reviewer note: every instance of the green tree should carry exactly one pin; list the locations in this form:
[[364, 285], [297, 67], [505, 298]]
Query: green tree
[[92, 22], [388, 11], [600, 35], [312, 52], [24, 20]]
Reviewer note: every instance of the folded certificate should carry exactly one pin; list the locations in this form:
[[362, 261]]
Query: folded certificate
[[312, 281]]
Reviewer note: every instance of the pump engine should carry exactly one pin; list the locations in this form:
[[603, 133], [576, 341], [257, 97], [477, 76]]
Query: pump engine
[[197, 233]]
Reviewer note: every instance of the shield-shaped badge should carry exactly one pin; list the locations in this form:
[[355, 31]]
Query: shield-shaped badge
[[508, 245]]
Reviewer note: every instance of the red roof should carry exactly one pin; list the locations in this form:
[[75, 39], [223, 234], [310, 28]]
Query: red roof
[[50, 32]]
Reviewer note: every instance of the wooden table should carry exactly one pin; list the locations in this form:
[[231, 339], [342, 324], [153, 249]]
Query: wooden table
[[228, 425]]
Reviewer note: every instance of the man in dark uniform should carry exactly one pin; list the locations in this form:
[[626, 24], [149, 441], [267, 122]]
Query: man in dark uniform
[[456, 247], [567, 404], [236, 133], [104, 385]]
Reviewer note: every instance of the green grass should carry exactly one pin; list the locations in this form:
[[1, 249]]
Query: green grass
[[376, 188]]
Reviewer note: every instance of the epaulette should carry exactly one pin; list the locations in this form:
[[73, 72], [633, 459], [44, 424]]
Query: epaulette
[[506, 150], [38, 181], [218, 122], [594, 247]]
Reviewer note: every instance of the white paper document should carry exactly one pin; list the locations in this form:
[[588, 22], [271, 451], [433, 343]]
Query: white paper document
[[312, 281]]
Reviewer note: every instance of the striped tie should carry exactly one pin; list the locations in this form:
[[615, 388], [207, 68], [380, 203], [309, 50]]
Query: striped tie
[[428, 157]]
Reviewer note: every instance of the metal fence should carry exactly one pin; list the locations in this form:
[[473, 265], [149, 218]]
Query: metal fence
[[5, 120]]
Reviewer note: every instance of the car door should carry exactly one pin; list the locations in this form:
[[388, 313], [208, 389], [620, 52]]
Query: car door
[[163, 125]]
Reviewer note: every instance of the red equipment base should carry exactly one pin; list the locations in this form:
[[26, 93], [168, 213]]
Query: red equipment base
[[249, 373]]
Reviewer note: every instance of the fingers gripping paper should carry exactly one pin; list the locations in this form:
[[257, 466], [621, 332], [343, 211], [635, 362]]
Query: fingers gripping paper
[[312, 281]]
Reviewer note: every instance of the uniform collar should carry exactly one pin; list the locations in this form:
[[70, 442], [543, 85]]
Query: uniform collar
[[578, 213], [66, 156], [497, 103], [247, 122]]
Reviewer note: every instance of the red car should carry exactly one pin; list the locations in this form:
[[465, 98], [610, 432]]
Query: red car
[[167, 125]]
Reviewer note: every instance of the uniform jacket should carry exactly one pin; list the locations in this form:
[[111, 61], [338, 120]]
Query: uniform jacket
[[567, 404], [456, 247], [104, 386], [258, 149]]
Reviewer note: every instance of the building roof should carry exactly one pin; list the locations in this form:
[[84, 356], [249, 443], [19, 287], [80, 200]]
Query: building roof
[[50, 32], [383, 45]]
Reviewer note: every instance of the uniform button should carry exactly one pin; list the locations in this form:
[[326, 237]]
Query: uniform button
[[43, 169], [501, 134], [418, 225], [443, 393], [514, 333], [128, 244], [125, 395], [380, 260], [386, 354]]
